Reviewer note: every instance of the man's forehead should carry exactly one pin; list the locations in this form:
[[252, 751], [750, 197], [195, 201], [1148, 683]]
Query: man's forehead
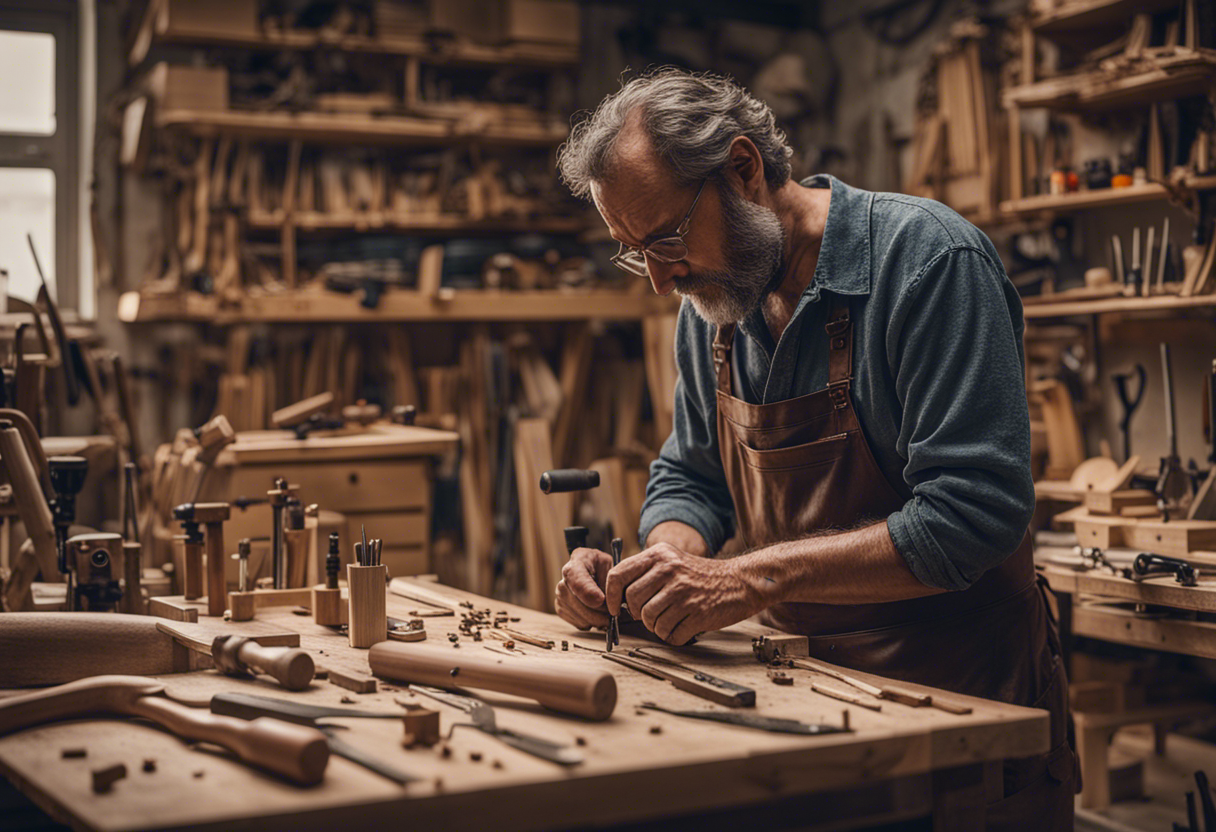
[[639, 200]]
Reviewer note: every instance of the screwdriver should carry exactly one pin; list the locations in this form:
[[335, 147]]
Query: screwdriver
[[613, 635]]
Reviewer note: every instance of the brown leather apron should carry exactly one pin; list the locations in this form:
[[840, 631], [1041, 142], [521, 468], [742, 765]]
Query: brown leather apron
[[803, 465]]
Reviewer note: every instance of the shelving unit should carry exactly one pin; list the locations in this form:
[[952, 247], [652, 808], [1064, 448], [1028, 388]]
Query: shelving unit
[[452, 225], [1158, 303], [1183, 73], [343, 128], [1080, 200], [435, 50], [1084, 17], [396, 306]]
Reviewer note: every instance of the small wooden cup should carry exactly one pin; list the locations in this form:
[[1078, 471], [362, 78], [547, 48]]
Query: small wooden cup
[[368, 617]]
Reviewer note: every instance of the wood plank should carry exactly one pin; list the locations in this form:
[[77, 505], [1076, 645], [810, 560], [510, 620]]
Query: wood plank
[[375, 442], [1122, 626]]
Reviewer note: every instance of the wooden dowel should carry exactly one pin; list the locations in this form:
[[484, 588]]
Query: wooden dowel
[[572, 690], [217, 584], [845, 696]]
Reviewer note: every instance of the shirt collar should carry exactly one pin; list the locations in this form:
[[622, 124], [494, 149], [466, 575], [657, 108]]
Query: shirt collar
[[844, 255]]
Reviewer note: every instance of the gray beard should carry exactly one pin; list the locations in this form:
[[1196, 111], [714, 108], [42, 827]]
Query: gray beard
[[755, 242]]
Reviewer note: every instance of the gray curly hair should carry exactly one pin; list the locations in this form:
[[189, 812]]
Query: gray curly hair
[[691, 120]]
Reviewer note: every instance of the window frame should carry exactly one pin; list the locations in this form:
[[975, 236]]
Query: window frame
[[58, 152]]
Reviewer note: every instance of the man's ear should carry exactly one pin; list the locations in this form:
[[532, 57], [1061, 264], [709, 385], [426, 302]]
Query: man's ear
[[746, 163]]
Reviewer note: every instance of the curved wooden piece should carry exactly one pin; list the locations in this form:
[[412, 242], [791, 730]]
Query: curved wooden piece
[[31, 502], [297, 752], [49, 648], [587, 693]]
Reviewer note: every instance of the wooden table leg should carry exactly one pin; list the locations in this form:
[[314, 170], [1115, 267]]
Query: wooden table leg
[[961, 795], [1092, 745]]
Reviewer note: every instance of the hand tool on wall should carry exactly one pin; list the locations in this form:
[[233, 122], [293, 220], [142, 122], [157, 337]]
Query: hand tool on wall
[[1147, 277], [1133, 274], [1162, 257], [1173, 483], [71, 382], [579, 691], [748, 720], [246, 706], [1129, 403], [1116, 246], [296, 752], [1203, 507], [485, 721]]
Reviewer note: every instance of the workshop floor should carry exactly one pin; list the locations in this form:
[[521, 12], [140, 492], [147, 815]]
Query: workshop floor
[[1167, 778]]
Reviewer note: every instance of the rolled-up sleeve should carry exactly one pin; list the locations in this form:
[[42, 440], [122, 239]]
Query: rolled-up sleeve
[[955, 353], [686, 481]]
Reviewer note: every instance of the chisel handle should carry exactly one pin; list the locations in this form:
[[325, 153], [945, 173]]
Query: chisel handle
[[292, 667], [568, 479], [572, 690]]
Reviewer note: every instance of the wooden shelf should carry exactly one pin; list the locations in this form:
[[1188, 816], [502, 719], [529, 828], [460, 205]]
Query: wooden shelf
[[435, 49], [1082, 17], [439, 226], [1106, 197], [1184, 72], [1159, 303], [318, 306], [343, 128]]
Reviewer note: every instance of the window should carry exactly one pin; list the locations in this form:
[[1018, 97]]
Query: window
[[40, 147]]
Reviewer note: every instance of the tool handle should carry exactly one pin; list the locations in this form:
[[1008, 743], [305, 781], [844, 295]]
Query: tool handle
[[1167, 380], [297, 752], [568, 479], [576, 538], [291, 666], [217, 585], [580, 691], [31, 502]]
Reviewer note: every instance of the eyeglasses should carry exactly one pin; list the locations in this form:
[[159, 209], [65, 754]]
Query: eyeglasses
[[670, 249]]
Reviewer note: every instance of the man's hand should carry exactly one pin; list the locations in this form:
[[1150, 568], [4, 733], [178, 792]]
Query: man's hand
[[580, 597], [678, 595]]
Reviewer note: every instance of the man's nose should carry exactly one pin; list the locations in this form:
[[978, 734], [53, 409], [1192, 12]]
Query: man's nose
[[662, 275]]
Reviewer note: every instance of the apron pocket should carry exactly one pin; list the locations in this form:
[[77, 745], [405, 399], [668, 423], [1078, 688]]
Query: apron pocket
[[1044, 797], [798, 456]]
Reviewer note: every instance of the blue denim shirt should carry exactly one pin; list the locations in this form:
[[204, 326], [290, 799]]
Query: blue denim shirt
[[938, 384]]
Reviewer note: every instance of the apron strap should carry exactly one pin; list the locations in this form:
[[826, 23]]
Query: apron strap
[[840, 352], [724, 339]]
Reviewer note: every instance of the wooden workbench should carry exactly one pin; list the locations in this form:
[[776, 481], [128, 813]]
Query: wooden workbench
[[640, 764]]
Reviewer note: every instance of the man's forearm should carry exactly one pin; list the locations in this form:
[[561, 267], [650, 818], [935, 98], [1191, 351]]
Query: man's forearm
[[681, 535], [854, 567]]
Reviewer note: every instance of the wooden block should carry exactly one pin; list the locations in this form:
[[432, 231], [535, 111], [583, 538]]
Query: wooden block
[[189, 18], [299, 412], [353, 681], [174, 608], [329, 608], [180, 87], [241, 606], [368, 615], [421, 726], [199, 636], [1115, 502]]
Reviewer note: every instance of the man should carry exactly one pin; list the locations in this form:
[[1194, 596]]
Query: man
[[851, 401]]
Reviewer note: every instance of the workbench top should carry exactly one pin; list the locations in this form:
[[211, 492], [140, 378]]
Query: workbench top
[[639, 763]]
